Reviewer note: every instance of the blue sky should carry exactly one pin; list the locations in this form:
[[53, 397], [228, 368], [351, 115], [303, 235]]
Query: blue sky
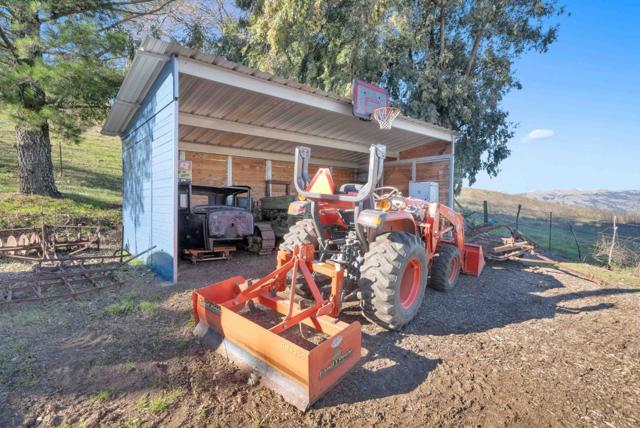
[[579, 109]]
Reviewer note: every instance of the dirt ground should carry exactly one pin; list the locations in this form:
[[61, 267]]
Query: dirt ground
[[520, 346]]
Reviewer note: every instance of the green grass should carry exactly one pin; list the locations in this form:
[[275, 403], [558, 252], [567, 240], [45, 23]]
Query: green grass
[[132, 423], [90, 183], [100, 397], [129, 305], [161, 402]]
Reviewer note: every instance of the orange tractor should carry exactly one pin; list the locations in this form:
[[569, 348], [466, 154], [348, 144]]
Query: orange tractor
[[362, 243]]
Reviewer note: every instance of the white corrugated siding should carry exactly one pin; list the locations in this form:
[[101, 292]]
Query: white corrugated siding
[[149, 177]]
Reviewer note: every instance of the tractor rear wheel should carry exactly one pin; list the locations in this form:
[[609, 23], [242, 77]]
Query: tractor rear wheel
[[445, 268], [303, 232], [393, 279]]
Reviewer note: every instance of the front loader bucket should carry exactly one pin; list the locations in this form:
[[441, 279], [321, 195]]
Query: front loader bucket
[[298, 370], [473, 259]]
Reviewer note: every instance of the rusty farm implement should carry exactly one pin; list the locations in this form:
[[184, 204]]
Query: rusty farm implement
[[45, 241]]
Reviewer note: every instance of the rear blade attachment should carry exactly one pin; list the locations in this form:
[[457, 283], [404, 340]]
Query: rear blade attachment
[[299, 350]]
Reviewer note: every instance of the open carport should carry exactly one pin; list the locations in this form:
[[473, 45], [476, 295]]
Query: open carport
[[240, 126]]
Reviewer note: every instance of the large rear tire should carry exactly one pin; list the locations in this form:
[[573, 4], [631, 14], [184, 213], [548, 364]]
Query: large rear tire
[[445, 269], [393, 279], [303, 232]]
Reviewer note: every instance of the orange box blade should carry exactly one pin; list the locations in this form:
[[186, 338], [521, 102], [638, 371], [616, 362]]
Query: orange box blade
[[300, 375]]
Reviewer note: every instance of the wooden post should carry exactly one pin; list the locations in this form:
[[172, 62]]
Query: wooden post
[[550, 223], [485, 208], [518, 216], [613, 242], [577, 244]]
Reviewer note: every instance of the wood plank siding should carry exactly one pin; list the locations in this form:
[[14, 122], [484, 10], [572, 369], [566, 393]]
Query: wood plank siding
[[210, 169]]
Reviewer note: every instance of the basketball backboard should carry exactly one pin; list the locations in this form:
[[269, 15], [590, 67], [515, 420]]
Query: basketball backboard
[[366, 98]]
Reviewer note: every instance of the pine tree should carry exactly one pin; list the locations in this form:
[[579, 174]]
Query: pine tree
[[60, 63]]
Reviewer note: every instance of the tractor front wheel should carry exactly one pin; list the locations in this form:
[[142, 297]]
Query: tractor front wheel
[[393, 279], [445, 268]]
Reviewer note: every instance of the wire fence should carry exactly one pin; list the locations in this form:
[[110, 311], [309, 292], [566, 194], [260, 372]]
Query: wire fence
[[614, 242]]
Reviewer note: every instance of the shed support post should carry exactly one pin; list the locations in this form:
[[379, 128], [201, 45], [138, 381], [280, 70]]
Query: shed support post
[[268, 175], [229, 170]]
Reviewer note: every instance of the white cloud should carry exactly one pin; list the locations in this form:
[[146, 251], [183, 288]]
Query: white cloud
[[539, 134]]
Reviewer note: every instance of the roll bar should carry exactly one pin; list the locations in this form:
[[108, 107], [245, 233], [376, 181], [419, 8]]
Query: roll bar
[[377, 153]]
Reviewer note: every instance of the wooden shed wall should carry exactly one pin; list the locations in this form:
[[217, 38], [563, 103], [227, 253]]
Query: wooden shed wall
[[210, 169], [399, 175]]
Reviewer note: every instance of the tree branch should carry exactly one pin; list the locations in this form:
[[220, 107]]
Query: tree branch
[[474, 51], [134, 15], [84, 7], [7, 43]]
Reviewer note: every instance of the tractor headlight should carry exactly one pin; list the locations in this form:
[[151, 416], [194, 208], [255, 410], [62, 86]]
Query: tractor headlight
[[383, 204]]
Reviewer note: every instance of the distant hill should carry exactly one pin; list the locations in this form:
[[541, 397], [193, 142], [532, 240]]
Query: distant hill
[[623, 201]]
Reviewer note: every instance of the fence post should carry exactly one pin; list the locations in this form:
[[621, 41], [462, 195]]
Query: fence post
[[485, 208], [550, 223], [613, 242], [518, 216], [576, 239]]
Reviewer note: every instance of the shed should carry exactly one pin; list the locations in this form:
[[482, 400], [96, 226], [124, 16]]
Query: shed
[[240, 126]]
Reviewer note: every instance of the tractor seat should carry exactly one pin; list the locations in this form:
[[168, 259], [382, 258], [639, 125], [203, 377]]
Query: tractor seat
[[350, 188], [354, 188]]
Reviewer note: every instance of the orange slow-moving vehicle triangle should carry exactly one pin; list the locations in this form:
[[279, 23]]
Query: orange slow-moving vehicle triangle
[[322, 182]]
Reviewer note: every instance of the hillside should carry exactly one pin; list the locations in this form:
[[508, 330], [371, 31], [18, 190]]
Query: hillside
[[570, 223], [624, 201], [90, 183]]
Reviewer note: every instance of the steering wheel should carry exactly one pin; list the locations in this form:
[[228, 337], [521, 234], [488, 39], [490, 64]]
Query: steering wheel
[[391, 191]]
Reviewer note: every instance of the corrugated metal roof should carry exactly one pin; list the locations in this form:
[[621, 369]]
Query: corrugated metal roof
[[211, 99]]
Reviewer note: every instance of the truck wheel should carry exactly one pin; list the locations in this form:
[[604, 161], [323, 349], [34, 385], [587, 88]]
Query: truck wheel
[[445, 268], [303, 232], [393, 279]]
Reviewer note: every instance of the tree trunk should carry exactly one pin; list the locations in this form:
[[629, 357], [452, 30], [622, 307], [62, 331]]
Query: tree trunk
[[35, 169]]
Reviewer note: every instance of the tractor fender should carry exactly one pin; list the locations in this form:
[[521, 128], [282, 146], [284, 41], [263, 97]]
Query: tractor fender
[[390, 221]]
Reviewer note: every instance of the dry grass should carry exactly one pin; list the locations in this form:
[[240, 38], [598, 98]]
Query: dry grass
[[625, 253], [503, 203]]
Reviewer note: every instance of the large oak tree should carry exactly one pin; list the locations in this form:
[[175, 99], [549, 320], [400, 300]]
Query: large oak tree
[[449, 62]]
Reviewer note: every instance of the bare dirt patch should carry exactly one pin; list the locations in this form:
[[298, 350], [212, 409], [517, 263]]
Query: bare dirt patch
[[518, 346]]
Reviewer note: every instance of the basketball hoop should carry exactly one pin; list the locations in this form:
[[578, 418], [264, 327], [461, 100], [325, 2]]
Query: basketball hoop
[[385, 115]]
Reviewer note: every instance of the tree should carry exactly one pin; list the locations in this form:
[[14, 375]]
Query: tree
[[449, 62], [60, 63]]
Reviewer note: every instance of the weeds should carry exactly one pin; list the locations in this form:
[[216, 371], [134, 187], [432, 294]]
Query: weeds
[[132, 423], [148, 307], [129, 365], [100, 397], [128, 305], [160, 403]]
